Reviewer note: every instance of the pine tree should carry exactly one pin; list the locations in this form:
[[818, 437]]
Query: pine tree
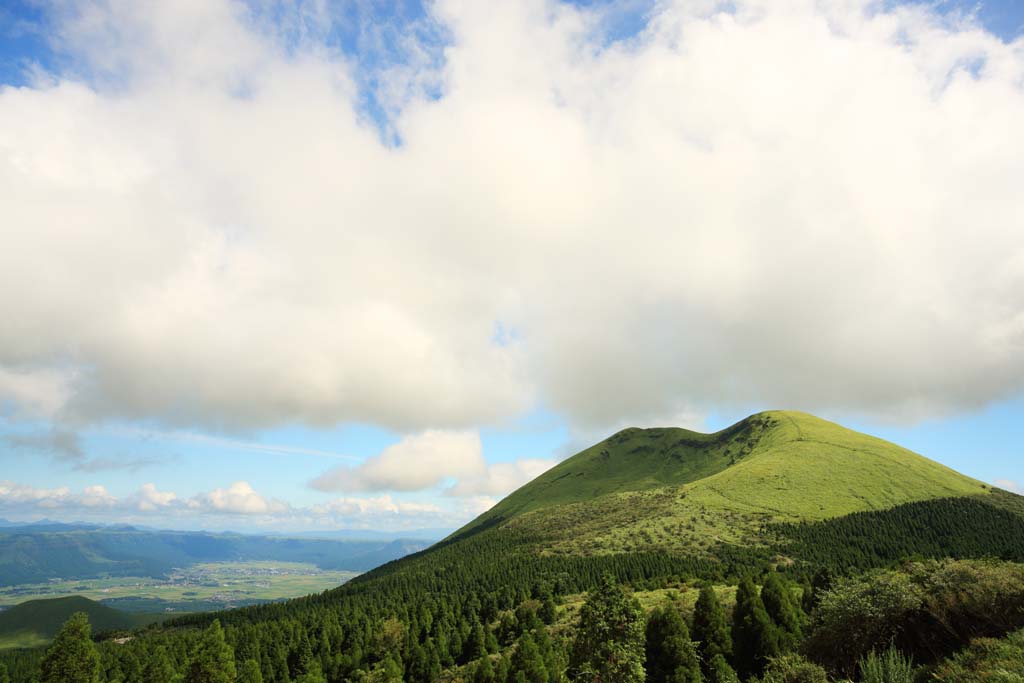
[[475, 645], [72, 658], [719, 671], [710, 631], [214, 661], [158, 668], [782, 608], [755, 636], [501, 672], [484, 672], [671, 655], [548, 611], [609, 644], [807, 601], [528, 660], [250, 672]]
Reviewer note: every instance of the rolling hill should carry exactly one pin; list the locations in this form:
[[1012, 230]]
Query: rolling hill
[[35, 622]]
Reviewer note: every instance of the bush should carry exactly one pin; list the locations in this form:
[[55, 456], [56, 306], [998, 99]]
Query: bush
[[927, 610], [889, 667], [794, 669], [987, 659]]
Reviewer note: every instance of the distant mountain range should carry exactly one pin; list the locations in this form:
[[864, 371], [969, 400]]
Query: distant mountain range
[[52, 550]]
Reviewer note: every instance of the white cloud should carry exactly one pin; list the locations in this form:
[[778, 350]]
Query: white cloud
[[96, 496], [239, 498], [149, 498], [797, 204], [416, 462], [376, 507], [1009, 485], [36, 393], [500, 479], [12, 493], [228, 507], [430, 459]]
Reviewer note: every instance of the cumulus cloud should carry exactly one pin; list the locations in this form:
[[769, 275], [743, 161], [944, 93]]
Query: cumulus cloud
[[239, 498], [430, 459], [1009, 485], [149, 498], [500, 479], [795, 204], [14, 494], [376, 507], [229, 506], [416, 462]]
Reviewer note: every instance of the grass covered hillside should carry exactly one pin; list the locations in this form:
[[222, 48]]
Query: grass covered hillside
[[675, 489], [35, 622]]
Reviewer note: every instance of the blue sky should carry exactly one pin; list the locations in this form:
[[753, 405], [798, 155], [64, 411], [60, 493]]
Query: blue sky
[[367, 264]]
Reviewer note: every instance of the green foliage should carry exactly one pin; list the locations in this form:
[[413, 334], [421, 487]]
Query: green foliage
[[250, 672], [924, 609], [72, 658], [214, 660], [710, 630], [793, 668], [781, 605], [719, 671], [987, 659], [756, 639], [959, 528], [609, 645], [889, 667], [4, 676], [528, 661], [158, 669], [484, 671], [671, 656]]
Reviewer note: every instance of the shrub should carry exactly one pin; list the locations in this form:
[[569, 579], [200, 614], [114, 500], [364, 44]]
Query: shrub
[[925, 609], [794, 669], [889, 667]]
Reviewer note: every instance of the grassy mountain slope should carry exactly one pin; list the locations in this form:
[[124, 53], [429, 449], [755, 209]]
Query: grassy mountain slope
[[672, 489], [35, 622]]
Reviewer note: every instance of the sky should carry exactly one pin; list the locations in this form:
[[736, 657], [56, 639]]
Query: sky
[[290, 265]]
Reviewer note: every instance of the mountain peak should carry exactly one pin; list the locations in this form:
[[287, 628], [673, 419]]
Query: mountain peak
[[773, 466]]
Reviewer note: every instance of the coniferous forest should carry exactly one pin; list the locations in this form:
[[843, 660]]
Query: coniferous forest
[[487, 609]]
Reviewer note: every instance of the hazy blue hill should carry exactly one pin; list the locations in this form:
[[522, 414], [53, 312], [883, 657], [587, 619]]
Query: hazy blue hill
[[31, 555]]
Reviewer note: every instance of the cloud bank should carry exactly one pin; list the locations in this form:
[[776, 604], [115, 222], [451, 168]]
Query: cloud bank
[[793, 204], [228, 507]]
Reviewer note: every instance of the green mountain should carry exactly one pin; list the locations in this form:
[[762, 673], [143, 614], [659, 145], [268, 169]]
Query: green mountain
[[674, 489], [35, 622], [779, 497]]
